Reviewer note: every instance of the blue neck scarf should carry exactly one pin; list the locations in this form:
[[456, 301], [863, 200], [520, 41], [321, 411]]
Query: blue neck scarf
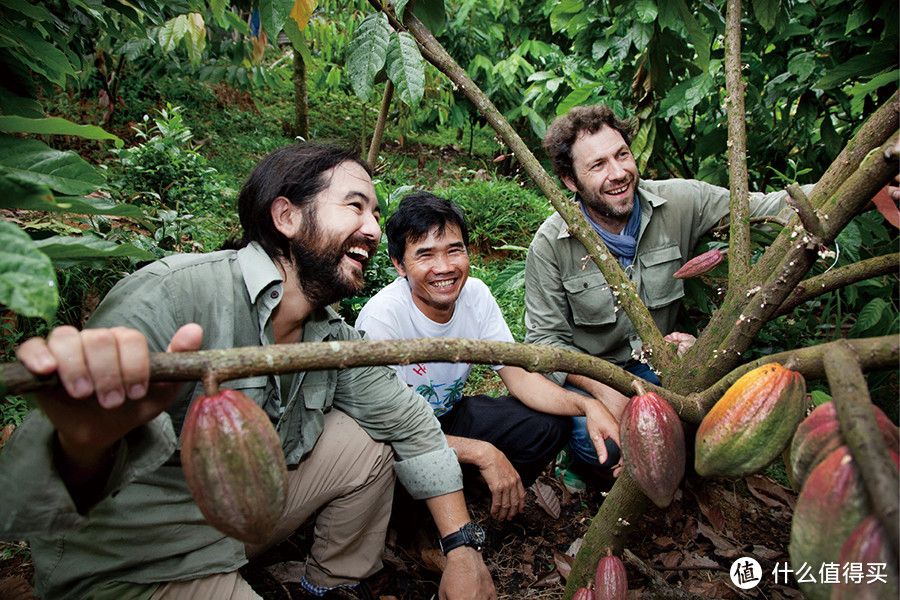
[[622, 245]]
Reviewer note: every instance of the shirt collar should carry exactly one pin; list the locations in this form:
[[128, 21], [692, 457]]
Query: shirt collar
[[647, 200], [259, 270]]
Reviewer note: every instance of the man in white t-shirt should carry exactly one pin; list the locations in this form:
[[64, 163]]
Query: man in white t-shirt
[[510, 439]]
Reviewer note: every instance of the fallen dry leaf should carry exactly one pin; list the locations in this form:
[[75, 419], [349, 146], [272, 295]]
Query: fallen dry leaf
[[546, 499], [434, 560], [563, 563], [548, 579], [710, 510], [761, 487], [15, 588]]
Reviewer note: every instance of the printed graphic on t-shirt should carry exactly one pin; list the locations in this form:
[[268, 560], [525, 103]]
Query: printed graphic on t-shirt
[[452, 394]]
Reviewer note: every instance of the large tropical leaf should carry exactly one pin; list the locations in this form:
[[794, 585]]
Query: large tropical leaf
[[35, 161], [406, 68], [27, 279], [66, 251], [368, 53], [53, 126], [273, 14]]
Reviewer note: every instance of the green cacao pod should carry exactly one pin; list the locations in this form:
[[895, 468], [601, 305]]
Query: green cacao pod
[[611, 582], [700, 265], [583, 593], [751, 424], [832, 503], [653, 446], [820, 434], [867, 545], [234, 465]]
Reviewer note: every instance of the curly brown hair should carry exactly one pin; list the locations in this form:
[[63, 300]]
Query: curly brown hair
[[580, 120]]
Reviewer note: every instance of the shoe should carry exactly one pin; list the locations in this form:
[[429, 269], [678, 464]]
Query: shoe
[[570, 480], [359, 591]]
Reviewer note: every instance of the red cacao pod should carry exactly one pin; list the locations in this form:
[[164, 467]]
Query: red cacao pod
[[820, 434], [867, 545], [583, 594], [700, 265], [234, 465], [653, 446], [832, 503], [751, 424], [611, 582]]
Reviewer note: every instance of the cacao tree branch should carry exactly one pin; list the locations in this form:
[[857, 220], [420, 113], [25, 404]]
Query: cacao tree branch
[[859, 428], [234, 363], [873, 354], [813, 287], [663, 354], [739, 234], [805, 211], [377, 135]]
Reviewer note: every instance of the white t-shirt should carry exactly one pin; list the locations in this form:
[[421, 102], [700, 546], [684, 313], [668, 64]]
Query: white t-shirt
[[391, 314]]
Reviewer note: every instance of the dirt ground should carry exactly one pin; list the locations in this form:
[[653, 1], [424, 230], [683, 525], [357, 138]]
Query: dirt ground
[[691, 545]]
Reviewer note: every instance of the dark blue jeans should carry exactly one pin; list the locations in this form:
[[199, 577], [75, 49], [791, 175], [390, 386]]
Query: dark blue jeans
[[581, 445]]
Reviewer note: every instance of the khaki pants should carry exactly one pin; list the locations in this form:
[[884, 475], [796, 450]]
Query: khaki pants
[[352, 477]]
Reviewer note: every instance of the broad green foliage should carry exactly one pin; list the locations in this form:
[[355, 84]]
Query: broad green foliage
[[27, 278], [368, 53], [64, 172]]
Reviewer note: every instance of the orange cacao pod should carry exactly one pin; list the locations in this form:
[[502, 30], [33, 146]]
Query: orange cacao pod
[[611, 581], [653, 446], [234, 465], [700, 265], [820, 433], [751, 424]]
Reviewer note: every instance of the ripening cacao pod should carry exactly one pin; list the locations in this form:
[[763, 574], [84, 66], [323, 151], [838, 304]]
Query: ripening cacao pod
[[700, 265], [234, 465], [583, 594], [653, 446], [611, 582], [751, 424], [832, 503], [867, 545], [820, 433]]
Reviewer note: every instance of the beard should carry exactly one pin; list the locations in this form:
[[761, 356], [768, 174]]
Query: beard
[[317, 262], [594, 201]]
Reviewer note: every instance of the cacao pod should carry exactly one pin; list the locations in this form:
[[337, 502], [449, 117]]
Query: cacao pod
[[751, 424], [653, 446], [820, 433], [867, 545], [611, 582], [583, 594], [832, 503], [234, 465], [700, 265]]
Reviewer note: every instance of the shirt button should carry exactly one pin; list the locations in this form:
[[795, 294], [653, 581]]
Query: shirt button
[[273, 295], [585, 285]]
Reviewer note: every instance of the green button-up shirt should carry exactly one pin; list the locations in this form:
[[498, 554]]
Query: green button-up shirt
[[147, 528], [567, 300]]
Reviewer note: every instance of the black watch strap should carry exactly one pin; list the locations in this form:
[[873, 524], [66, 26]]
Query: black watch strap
[[470, 534]]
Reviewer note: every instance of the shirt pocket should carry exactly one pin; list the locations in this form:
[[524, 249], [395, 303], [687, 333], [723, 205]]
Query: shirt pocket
[[590, 300], [318, 389], [658, 287]]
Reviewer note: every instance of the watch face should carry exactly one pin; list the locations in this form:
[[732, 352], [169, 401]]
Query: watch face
[[474, 533]]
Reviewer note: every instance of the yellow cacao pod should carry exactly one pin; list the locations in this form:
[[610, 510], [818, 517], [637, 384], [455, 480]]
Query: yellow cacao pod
[[751, 424]]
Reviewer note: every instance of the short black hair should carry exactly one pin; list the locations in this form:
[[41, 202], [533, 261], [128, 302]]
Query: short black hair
[[416, 216], [296, 172]]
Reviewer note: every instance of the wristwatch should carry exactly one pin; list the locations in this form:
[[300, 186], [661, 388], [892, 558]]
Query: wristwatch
[[470, 534]]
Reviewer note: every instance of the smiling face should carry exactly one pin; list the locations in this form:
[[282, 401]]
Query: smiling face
[[605, 176], [436, 267], [338, 236]]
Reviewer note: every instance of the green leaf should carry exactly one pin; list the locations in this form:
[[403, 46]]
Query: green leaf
[[64, 172], [41, 56], [195, 37], [802, 65], [766, 12], [27, 279], [509, 279], [399, 7], [368, 53], [850, 241], [819, 397], [172, 32], [217, 8], [406, 68], [682, 98], [432, 14], [870, 315], [66, 251], [863, 65], [52, 126], [699, 38], [273, 13], [646, 11]]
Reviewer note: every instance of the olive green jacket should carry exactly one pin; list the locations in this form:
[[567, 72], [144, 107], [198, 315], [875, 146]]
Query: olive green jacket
[[147, 528], [567, 301]]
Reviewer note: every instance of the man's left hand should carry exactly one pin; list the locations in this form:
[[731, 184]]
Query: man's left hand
[[466, 577]]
